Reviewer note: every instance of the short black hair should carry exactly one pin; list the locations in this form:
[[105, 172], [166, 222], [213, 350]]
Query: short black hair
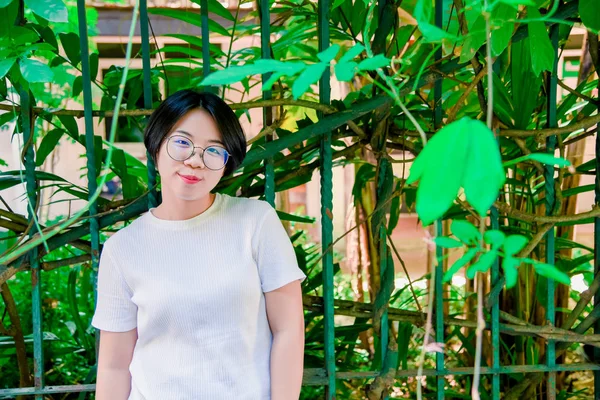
[[174, 107]]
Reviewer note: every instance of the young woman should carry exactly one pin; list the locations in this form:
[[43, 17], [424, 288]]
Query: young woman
[[200, 297]]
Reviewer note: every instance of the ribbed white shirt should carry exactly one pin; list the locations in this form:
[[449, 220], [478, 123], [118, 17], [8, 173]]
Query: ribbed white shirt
[[195, 291]]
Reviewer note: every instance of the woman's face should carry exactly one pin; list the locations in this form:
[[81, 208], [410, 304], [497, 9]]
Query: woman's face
[[191, 179]]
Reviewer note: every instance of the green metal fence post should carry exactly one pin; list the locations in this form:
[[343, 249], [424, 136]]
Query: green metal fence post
[[326, 170], [265, 40], [146, 69], [550, 203], [439, 273], [36, 278], [92, 173]]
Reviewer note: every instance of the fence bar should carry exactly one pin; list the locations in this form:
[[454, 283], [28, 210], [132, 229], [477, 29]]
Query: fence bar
[[326, 170], [265, 39], [92, 173], [550, 203], [439, 273], [152, 197], [597, 257], [36, 281], [495, 223]]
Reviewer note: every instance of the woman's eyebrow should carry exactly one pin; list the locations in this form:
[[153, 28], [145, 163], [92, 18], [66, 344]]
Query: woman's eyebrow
[[217, 141]]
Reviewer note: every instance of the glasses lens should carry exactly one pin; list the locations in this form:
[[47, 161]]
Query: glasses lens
[[179, 148], [215, 157]]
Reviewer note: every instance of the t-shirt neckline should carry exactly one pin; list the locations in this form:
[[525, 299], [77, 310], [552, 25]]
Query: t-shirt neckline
[[186, 223]]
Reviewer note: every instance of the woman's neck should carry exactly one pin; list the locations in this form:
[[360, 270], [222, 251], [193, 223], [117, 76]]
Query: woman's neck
[[174, 209]]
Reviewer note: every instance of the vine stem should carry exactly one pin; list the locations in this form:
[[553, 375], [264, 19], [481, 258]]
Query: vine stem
[[479, 281]]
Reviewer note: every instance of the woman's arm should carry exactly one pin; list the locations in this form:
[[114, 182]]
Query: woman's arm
[[116, 351], [286, 319]]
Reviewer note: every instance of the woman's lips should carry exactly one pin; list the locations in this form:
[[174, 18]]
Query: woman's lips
[[189, 179]]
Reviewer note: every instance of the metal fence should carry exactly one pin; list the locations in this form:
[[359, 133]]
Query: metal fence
[[326, 376]]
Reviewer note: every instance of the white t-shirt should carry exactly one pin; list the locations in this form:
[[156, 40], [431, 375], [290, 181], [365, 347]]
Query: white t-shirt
[[195, 291]]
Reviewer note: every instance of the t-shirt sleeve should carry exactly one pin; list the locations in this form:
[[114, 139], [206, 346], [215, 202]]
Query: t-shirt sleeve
[[115, 310], [275, 256]]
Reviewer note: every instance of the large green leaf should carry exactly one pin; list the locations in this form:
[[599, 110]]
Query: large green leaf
[[190, 16], [48, 144], [35, 71], [589, 10], [310, 75], [352, 53], [329, 54], [474, 41], [550, 271], [433, 34], [217, 8], [447, 242], [524, 83], [461, 262], [542, 52], [8, 15], [513, 244], [465, 231], [378, 61], [70, 42], [502, 29], [483, 264], [509, 265], [484, 175], [5, 66], [4, 3], [52, 10], [235, 74]]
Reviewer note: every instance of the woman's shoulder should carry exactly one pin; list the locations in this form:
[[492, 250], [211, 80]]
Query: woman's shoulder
[[128, 235], [254, 207]]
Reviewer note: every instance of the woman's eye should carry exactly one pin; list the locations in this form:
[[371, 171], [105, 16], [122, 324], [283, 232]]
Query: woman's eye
[[182, 143]]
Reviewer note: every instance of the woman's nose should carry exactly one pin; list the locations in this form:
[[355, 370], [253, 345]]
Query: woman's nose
[[196, 160]]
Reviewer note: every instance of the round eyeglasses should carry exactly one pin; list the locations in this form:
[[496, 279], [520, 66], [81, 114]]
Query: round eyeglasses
[[180, 148]]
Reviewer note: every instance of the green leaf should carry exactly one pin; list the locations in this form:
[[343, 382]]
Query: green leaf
[[70, 42], [474, 40], [433, 34], [483, 264], [378, 61], [336, 4], [294, 218], [93, 66], [48, 144], [484, 175], [461, 262], [590, 14], [236, 74], [4, 3], [310, 75], [494, 238], [191, 17], [70, 124], [77, 86], [440, 171], [8, 15], [465, 231], [542, 52], [5, 66], [502, 30], [352, 53], [344, 72], [509, 265], [35, 71], [217, 8], [514, 244], [329, 54], [447, 242], [549, 159], [52, 10], [551, 272]]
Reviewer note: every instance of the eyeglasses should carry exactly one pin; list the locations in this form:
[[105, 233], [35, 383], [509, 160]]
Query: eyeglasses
[[180, 148]]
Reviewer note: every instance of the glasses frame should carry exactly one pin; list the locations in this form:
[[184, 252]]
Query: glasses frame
[[194, 152]]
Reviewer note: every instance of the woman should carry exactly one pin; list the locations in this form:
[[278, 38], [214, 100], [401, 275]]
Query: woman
[[200, 297]]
